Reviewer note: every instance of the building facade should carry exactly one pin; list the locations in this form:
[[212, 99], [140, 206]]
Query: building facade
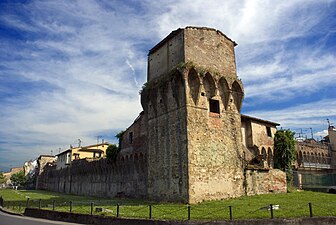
[[65, 158], [258, 140]]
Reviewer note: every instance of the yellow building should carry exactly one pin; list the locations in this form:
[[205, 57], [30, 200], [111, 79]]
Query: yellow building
[[96, 151]]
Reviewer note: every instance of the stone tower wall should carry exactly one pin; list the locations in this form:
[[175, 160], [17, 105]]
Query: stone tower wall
[[166, 55], [167, 150], [215, 154], [194, 154], [210, 49]]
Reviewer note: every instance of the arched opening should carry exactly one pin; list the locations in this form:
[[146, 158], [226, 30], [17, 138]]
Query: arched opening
[[209, 85], [177, 86], [237, 94], [194, 85], [300, 158], [153, 93], [270, 157], [264, 154], [224, 91], [324, 161]]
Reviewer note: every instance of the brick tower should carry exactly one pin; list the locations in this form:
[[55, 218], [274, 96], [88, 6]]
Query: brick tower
[[192, 102]]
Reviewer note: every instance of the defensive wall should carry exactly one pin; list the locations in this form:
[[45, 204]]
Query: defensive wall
[[102, 178], [127, 177]]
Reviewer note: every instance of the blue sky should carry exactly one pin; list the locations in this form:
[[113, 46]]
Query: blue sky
[[73, 69]]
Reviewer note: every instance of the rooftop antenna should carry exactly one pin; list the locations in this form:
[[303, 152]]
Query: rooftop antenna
[[311, 131], [99, 136], [301, 133], [51, 152]]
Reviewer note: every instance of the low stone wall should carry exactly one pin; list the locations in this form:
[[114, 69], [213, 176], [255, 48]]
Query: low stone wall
[[103, 220], [267, 181]]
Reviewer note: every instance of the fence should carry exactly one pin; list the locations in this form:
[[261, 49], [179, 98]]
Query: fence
[[207, 211], [313, 181], [318, 180]]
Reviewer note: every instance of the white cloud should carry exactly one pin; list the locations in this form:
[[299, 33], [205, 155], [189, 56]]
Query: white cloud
[[314, 114], [288, 75], [247, 21], [321, 134]]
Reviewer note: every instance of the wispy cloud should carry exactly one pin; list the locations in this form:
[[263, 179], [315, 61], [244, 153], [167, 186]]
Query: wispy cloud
[[313, 114]]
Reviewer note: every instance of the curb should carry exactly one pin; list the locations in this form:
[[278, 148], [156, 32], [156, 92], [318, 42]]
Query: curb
[[10, 212]]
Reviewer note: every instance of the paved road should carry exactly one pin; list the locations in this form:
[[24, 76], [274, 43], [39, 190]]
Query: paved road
[[6, 219]]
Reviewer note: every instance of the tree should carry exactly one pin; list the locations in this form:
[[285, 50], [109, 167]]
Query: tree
[[112, 152], [284, 151], [120, 138], [2, 178], [18, 179]]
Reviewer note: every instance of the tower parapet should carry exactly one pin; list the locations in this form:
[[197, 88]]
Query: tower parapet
[[205, 47]]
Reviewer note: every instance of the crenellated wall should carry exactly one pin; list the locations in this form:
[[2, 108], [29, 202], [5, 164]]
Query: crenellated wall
[[102, 178]]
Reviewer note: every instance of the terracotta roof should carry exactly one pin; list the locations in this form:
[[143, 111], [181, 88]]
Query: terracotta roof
[[68, 150], [260, 120], [90, 150]]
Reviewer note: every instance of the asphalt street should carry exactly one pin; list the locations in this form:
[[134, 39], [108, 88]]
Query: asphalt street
[[7, 219]]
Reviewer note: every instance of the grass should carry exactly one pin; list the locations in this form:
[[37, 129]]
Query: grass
[[293, 204]]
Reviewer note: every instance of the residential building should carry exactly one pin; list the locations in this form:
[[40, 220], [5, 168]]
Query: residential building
[[96, 151]]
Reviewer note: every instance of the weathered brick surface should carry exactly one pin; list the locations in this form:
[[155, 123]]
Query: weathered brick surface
[[210, 49], [263, 182]]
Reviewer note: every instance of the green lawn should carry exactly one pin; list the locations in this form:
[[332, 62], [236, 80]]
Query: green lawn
[[290, 205]]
